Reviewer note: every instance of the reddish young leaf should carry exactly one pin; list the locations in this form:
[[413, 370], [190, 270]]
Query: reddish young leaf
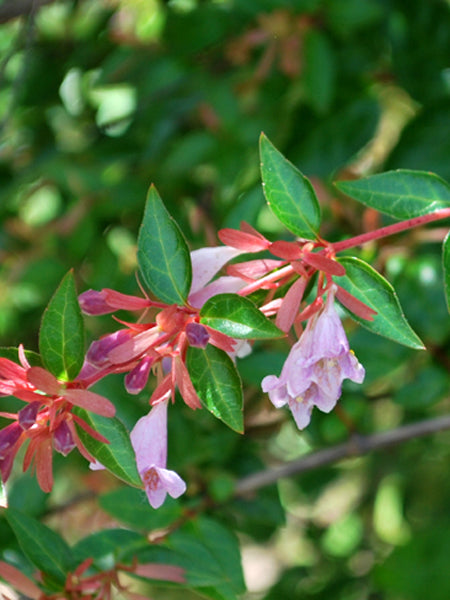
[[354, 305], [185, 386], [291, 302], [286, 250], [44, 465], [241, 240], [91, 401], [44, 381], [322, 263], [254, 269], [19, 581]]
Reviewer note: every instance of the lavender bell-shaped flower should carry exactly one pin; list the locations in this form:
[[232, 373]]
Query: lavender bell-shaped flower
[[149, 440], [315, 368]]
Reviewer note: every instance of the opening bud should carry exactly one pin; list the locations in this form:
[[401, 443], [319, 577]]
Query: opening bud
[[137, 378], [62, 439], [28, 414], [197, 335]]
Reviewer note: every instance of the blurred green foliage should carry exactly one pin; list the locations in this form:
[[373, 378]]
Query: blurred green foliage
[[100, 99]]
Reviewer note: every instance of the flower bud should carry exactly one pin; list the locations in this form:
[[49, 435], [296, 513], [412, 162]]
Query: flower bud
[[136, 379], [8, 438], [197, 335], [28, 414], [98, 351], [62, 439], [94, 303]]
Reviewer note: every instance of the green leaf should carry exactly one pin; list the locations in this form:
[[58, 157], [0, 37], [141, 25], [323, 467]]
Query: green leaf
[[237, 317], [163, 255], [210, 554], [130, 506], [108, 547], [289, 194], [319, 72], [446, 265], [370, 287], [12, 353], [61, 336], [117, 456], [217, 384], [42, 546], [402, 194], [428, 386]]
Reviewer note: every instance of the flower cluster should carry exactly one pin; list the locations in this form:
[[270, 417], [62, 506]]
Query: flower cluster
[[157, 343], [47, 420]]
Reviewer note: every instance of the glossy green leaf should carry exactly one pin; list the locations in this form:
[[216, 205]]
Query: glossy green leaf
[[217, 384], [289, 194], [163, 255], [370, 287], [42, 546], [446, 266], [117, 456], [402, 194], [61, 336], [237, 317]]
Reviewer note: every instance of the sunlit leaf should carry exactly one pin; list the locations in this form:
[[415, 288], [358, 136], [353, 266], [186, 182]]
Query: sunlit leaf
[[217, 384], [289, 194], [163, 255], [61, 336], [370, 287], [117, 456], [402, 194], [237, 317]]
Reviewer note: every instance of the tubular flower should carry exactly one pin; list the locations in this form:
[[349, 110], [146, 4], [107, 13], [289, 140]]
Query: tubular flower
[[149, 440], [315, 368]]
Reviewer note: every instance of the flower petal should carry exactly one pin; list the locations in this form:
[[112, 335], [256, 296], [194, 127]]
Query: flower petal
[[207, 262], [149, 438]]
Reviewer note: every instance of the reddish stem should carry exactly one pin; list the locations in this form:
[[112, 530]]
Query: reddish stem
[[390, 230]]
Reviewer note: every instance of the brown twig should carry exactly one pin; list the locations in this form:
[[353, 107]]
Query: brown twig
[[357, 445]]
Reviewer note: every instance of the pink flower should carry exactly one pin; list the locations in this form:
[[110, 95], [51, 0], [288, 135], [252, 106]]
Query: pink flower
[[206, 263], [315, 368], [149, 440]]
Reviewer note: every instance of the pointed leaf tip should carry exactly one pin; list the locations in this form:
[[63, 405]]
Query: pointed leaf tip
[[61, 335], [163, 254], [288, 192]]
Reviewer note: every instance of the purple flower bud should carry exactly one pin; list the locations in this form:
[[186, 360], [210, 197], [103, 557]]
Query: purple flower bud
[[93, 303], [136, 379], [8, 438], [62, 439], [197, 335], [28, 414], [98, 351]]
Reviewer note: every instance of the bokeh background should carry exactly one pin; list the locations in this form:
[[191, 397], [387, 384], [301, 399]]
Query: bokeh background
[[100, 98]]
